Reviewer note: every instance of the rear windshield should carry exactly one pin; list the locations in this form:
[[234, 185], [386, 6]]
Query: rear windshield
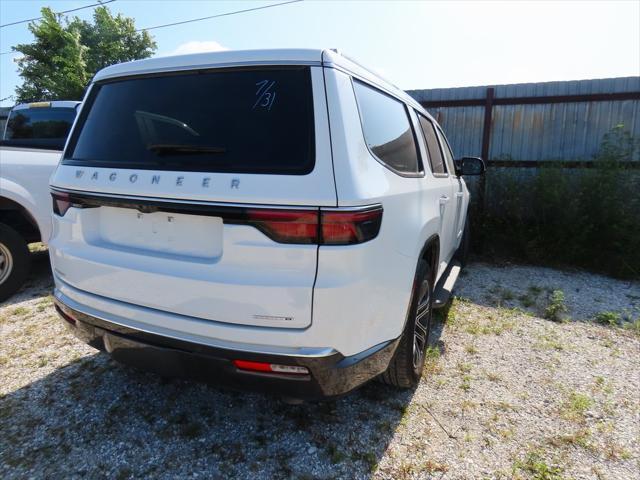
[[39, 127], [240, 120]]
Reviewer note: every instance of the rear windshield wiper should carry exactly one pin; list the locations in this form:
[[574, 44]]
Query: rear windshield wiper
[[170, 148]]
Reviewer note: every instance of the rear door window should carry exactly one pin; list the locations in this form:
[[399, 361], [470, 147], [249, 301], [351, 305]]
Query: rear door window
[[387, 130], [45, 128], [431, 139], [234, 120]]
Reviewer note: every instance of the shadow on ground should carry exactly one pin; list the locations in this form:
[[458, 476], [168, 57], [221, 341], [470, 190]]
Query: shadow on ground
[[96, 418], [38, 283]]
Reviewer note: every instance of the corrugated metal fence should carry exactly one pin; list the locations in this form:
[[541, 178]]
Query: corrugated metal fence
[[523, 124]]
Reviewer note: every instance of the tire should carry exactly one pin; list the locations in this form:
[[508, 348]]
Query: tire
[[405, 368], [15, 261], [462, 254]]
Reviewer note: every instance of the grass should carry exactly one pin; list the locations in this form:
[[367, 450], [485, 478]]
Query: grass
[[577, 405], [580, 438], [549, 341], [471, 349], [20, 311], [432, 356], [608, 318], [369, 458], [537, 467], [633, 326], [335, 454]]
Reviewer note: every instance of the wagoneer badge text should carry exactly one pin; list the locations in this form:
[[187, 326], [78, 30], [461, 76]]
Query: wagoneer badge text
[[155, 179]]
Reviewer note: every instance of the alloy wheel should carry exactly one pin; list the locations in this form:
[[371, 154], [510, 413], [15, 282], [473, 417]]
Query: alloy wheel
[[6, 263], [422, 324]]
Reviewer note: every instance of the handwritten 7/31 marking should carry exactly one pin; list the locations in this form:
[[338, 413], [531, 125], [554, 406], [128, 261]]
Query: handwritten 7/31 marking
[[266, 95]]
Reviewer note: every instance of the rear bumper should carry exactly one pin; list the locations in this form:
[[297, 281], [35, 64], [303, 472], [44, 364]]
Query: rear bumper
[[330, 375]]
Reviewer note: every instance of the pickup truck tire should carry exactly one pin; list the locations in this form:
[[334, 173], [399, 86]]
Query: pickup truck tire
[[15, 261], [405, 369]]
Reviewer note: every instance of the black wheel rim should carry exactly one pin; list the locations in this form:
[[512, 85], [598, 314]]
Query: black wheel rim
[[422, 324]]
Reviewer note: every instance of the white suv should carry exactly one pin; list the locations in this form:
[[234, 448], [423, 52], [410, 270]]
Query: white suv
[[274, 219]]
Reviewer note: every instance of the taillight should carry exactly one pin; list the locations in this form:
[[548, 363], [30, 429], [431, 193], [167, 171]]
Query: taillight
[[349, 227], [286, 226], [266, 367], [61, 203], [323, 227]]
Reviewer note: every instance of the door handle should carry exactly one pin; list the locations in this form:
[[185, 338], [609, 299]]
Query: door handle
[[444, 199]]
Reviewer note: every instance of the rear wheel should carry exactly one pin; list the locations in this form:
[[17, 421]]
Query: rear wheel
[[406, 367], [14, 261]]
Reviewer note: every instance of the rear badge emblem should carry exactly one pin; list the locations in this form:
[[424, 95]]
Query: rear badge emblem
[[273, 317], [181, 180]]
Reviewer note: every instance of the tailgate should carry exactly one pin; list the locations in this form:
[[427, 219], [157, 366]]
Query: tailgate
[[201, 262]]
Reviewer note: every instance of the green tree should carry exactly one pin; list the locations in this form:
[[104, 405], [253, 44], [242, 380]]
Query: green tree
[[53, 66], [64, 57], [111, 40]]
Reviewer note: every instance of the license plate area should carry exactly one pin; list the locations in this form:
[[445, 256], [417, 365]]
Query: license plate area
[[198, 236]]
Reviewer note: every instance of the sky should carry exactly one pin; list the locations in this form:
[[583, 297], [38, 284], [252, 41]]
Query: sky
[[414, 44]]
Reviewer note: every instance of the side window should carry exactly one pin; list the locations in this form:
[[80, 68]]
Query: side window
[[387, 130], [448, 154], [431, 139]]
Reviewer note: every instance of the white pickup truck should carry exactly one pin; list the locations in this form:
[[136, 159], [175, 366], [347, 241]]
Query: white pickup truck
[[31, 145]]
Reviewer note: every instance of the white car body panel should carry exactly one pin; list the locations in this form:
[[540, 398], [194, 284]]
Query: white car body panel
[[25, 173], [24, 179], [245, 290]]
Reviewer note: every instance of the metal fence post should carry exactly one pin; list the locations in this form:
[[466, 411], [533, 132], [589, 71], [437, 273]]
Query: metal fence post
[[486, 141]]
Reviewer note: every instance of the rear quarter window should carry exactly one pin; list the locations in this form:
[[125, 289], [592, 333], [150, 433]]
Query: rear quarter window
[[433, 148], [232, 120], [45, 128], [387, 130]]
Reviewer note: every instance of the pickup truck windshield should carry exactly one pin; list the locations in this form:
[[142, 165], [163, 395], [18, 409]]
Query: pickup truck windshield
[[39, 127], [232, 120]]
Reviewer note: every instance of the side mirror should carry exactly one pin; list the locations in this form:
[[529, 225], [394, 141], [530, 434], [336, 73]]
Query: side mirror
[[470, 166]]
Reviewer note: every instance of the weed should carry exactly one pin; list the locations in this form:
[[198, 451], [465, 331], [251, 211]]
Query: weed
[[577, 405], [471, 349], [431, 357], [431, 466], [589, 219], [556, 307], [578, 438], [369, 458], [633, 326], [463, 367], [502, 294], [527, 300], [20, 311], [608, 318], [534, 290], [466, 383], [535, 465], [549, 341], [335, 454]]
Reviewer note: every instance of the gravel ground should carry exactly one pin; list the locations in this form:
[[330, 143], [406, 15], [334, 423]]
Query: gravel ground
[[506, 394]]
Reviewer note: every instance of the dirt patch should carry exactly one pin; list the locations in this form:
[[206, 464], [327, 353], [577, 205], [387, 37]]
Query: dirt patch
[[506, 394]]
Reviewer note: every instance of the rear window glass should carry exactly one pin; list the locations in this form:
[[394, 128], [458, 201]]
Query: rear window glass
[[387, 131], [240, 121], [39, 127]]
